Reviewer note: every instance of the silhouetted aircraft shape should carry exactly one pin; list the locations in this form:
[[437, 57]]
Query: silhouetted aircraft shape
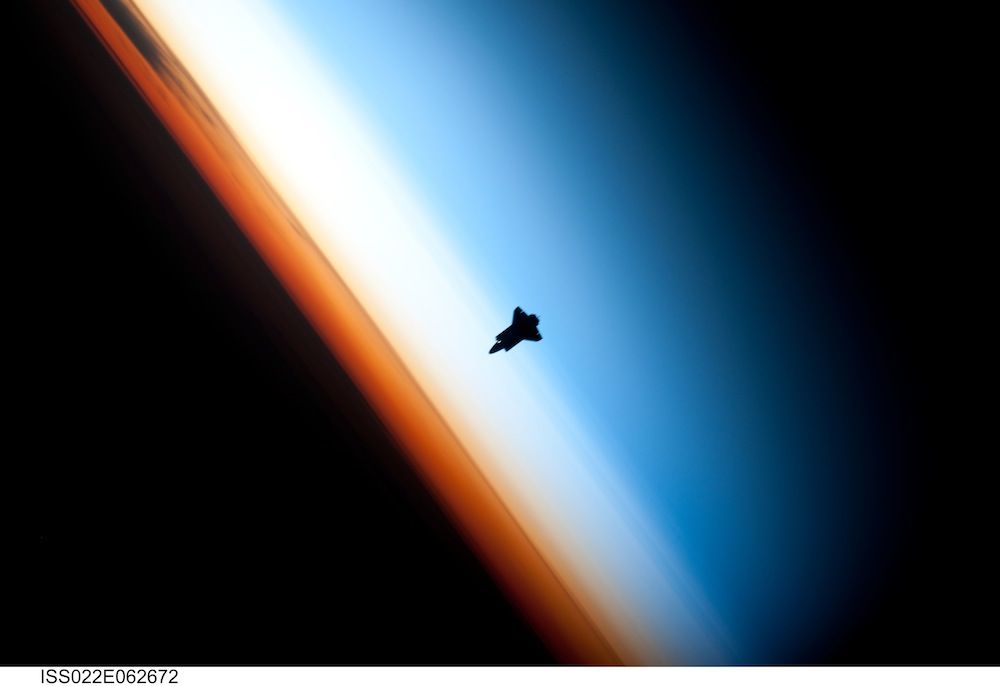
[[524, 327]]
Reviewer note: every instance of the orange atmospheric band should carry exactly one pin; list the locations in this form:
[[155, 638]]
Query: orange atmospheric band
[[355, 340]]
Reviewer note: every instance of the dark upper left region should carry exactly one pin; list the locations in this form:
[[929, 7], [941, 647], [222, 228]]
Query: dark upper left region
[[524, 327]]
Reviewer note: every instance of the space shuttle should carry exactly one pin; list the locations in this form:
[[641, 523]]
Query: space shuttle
[[523, 327]]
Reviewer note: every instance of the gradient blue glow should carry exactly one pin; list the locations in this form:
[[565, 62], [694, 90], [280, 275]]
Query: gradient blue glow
[[627, 207]]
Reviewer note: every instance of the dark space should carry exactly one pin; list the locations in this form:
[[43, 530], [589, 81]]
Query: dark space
[[871, 102], [202, 483]]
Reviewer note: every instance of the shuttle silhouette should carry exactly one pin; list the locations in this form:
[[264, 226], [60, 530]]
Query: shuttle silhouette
[[524, 327]]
